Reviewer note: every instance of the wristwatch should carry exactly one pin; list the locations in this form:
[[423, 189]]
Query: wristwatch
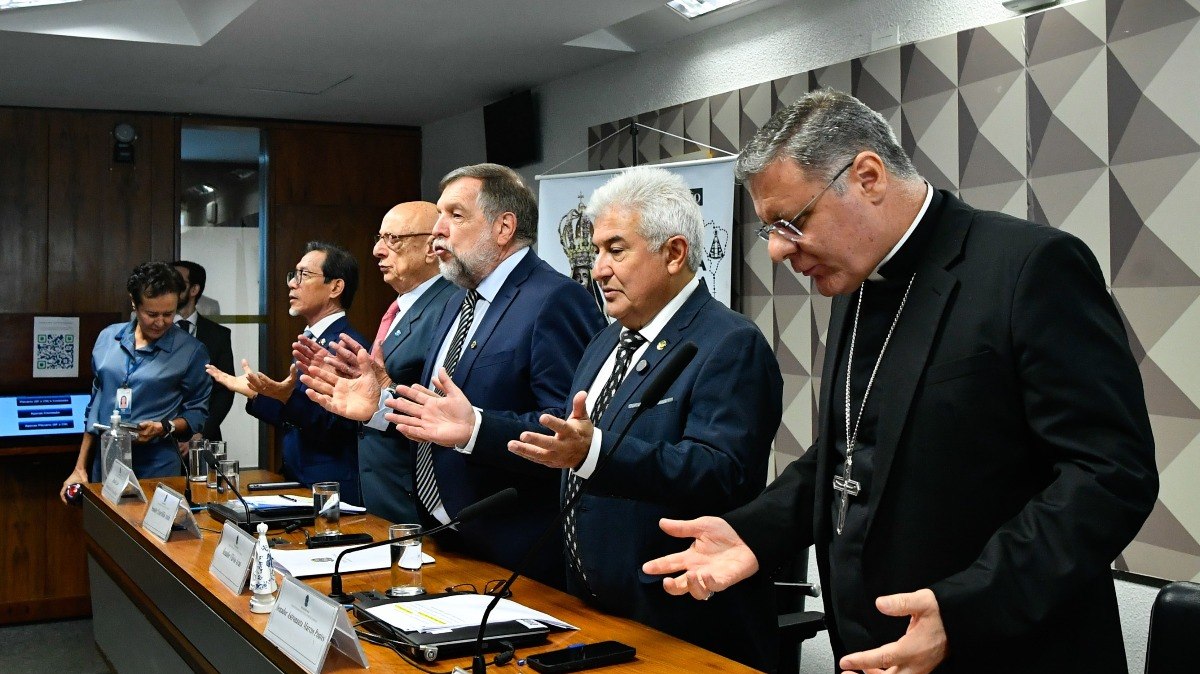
[[168, 427]]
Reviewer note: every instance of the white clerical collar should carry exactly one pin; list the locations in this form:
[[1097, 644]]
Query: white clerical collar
[[650, 330], [875, 275], [323, 324], [410, 298], [491, 285]]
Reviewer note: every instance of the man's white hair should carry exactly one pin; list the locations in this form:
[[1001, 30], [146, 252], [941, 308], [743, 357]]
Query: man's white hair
[[664, 204]]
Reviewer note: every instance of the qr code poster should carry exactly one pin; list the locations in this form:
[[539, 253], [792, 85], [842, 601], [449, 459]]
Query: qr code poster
[[55, 346]]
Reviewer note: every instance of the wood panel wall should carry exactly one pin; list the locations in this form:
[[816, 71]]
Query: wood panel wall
[[73, 224], [333, 185]]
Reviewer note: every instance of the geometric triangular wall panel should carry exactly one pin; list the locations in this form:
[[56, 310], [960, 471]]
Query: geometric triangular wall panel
[[1085, 118]]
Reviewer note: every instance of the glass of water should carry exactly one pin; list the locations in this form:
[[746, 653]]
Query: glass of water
[[196, 463], [406, 561], [326, 508], [218, 448], [232, 470]]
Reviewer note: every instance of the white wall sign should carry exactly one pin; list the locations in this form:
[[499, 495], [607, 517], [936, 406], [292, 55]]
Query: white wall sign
[[565, 236], [55, 346]]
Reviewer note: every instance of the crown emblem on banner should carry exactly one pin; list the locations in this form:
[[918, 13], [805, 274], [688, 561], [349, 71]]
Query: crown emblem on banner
[[575, 234]]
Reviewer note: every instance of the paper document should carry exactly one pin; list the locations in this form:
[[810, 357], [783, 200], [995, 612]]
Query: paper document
[[260, 503], [457, 610], [319, 561]]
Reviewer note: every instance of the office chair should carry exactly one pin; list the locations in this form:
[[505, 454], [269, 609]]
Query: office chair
[[796, 625], [1174, 625]]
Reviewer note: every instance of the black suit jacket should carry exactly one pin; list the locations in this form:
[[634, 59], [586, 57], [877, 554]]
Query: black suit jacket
[[1014, 458], [385, 458], [216, 338]]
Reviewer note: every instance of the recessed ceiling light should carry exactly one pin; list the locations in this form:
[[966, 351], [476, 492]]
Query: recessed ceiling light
[[690, 9], [21, 4]]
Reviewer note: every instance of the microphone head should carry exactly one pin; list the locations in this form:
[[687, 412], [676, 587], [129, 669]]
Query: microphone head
[[497, 501], [668, 373]]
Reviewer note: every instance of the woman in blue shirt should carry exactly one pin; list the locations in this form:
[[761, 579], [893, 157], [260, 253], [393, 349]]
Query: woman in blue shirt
[[150, 372]]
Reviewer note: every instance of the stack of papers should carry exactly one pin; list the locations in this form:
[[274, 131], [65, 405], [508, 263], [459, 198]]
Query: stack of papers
[[263, 503], [455, 611]]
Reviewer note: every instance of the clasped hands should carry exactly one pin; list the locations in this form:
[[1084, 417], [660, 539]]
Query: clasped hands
[[718, 558]]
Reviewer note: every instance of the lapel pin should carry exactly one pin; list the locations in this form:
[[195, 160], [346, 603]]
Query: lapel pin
[[641, 365], [661, 345], [473, 344]]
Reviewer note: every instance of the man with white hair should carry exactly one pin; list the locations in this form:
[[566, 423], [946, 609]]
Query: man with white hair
[[702, 450]]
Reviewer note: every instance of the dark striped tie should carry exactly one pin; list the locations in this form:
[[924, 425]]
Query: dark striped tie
[[427, 489], [629, 343]]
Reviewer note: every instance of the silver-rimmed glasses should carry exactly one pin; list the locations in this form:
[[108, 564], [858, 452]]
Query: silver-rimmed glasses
[[788, 229]]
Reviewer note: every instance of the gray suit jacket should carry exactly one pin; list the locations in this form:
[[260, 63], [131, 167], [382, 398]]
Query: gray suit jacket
[[385, 458]]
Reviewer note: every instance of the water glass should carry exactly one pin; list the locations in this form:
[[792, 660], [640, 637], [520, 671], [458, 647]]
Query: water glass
[[326, 508], [197, 466], [218, 448], [232, 470], [406, 561]]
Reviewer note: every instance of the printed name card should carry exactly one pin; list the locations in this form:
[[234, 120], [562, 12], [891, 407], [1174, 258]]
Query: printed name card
[[231, 560], [167, 510], [121, 482], [305, 622]]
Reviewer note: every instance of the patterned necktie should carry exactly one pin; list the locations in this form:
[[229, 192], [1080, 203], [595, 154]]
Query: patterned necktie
[[427, 488], [629, 343], [386, 323]]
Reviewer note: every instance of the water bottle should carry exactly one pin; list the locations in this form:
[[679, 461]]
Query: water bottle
[[115, 443]]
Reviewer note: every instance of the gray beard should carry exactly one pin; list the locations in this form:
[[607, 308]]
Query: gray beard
[[293, 312]]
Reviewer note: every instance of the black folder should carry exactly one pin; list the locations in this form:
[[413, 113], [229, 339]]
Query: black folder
[[276, 517]]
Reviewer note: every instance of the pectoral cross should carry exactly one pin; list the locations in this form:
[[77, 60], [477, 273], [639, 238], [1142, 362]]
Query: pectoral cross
[[848, 487]]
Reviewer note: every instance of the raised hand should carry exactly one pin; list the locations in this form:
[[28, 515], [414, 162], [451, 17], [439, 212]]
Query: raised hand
[[569, 445], [716, 559], [236, 384], [922, 647], [279, 390], [354, 398], [424, 416]]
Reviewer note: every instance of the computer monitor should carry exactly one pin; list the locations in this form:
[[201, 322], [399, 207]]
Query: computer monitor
[[37, 414]]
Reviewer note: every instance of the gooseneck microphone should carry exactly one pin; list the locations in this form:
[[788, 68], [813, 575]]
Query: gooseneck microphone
[[187, 483], [500, 499], [212, 459], [671, 368]]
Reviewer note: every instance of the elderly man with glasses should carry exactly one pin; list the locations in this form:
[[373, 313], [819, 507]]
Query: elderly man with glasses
[[984, 450]]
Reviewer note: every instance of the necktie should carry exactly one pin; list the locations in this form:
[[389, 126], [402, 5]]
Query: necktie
[[186, 325], [629, 343], [427, 488], [388, 317]]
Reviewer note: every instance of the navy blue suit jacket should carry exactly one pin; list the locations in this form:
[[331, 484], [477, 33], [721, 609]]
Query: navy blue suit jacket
[[519, 362], [385, 458], [318, 445], [701, 451]]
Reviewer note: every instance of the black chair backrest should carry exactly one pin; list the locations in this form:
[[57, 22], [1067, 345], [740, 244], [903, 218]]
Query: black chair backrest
[[1174, 630]]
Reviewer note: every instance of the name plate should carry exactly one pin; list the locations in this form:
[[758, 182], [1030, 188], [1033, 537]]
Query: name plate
[[305, 622], [166, 510], [121, 482], [231, 560]]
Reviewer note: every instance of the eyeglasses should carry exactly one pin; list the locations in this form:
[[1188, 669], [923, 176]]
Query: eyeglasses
[[393, 240], [491, 587], [300, 275], [788, 229]]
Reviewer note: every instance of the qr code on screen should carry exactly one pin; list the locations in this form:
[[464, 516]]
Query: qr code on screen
[[55, 352]]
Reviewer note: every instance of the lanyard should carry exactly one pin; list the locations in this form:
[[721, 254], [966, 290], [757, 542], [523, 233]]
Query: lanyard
[[132, 363]]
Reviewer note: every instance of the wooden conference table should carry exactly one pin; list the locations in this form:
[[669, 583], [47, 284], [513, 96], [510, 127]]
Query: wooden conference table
[[156, 608]]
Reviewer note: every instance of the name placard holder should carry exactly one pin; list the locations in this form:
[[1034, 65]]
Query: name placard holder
[[121, 482], [305, 622], [169, 511], [231, 560]]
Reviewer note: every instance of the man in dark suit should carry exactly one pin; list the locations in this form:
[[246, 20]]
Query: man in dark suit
[[385, 457], [702, 450], [318, 445], [964, 515], [510, 337], [214, 337]]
